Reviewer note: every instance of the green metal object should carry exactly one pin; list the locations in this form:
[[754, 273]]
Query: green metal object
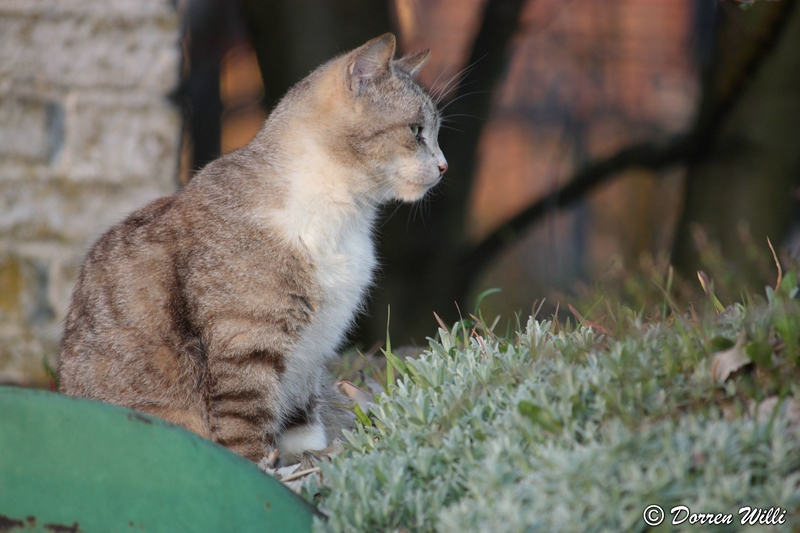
[[70, 465]]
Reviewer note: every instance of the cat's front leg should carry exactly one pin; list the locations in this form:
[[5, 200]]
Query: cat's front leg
[[243, 402], [302, 429]]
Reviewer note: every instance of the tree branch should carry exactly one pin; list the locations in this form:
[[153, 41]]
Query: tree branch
[[680, 149], [646, 155]]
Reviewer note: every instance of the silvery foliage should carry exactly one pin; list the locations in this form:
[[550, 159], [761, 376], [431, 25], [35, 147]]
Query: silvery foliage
[[559, 432]]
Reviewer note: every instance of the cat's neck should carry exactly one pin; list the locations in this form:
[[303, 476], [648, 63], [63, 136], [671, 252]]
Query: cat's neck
[[322, 200]]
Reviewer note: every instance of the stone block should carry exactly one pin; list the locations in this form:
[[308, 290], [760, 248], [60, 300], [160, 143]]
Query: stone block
[[37, 281], [66, 212], [130, 9], [110, 142], [24, 353], [25, 294], [89, 51], [63, 264], [87, 135], [31, 129]]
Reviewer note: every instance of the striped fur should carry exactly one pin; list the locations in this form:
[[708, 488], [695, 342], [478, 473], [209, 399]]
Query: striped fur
[[218, 308]]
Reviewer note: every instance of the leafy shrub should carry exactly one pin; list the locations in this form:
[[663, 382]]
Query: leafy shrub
[[560, 428]]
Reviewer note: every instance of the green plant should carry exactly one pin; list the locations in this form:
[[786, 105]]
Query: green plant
[[562, 427]]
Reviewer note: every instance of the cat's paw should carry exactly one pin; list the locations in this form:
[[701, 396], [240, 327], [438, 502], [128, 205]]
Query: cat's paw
[[296, 440]]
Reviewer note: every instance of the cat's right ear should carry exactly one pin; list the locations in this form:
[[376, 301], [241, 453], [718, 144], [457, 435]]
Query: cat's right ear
[[371, 62], [413, 63]]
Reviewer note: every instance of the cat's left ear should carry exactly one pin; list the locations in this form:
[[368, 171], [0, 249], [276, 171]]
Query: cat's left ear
[[413, 63], [371, 62]]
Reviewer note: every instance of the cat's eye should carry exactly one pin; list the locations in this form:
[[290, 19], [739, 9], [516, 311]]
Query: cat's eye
[[416, 129]]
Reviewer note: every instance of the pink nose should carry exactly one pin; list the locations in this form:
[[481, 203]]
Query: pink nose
[[442, 168]]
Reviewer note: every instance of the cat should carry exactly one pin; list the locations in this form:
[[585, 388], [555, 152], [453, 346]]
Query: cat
[[218, 308]]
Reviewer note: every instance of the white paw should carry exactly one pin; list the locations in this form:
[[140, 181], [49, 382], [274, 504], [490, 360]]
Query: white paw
[[296, 440]]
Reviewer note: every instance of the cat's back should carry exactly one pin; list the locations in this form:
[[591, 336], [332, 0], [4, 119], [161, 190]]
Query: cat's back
[[130, 297], [141, 262], [126, 285], [152, 283]]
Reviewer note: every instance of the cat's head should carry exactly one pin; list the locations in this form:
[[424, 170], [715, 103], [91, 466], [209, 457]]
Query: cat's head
[[389, 123]]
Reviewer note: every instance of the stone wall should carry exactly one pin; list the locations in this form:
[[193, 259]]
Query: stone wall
[[87, 134]]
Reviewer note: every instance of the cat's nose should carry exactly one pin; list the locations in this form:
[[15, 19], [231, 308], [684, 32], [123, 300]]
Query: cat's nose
[[442, 167]]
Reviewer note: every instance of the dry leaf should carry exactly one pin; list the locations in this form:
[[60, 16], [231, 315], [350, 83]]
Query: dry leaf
[[325, 455], [357, 394], [293, 475], [729, 361], [307, 461], [268, 462], [762, 411], [280, 472]]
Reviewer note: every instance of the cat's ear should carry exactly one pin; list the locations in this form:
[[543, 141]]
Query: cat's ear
[[371, 62], [413, 63]]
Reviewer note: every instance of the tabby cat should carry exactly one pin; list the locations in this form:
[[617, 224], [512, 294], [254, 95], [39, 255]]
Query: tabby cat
[[218, 308]]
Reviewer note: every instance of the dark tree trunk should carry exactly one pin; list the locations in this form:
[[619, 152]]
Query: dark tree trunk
[[421, 246], [293, 37], [208, 25], [753, 163]]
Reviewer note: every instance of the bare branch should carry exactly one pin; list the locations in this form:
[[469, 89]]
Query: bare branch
[[681, 149]]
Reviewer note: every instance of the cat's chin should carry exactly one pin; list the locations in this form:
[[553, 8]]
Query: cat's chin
[[411, 192]]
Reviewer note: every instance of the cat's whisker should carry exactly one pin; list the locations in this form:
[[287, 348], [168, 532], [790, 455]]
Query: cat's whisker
[[452, 84], [393, 213], [459, 97], [441, 73], [448, 117], [460, 86], [443, 91], [460, 75]]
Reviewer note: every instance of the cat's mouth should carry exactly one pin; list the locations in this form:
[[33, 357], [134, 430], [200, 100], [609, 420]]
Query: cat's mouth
[[426, 181], [430, 182], [414, 190]]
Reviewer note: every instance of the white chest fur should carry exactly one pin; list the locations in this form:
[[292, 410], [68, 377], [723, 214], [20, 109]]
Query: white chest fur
[[344, 260], [325, 216], [344, 266]]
